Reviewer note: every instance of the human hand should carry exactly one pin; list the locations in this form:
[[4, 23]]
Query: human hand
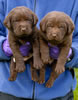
[[6, 48], [24, 49], [54, 52]]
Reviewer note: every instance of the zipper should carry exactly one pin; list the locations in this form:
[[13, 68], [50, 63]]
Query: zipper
[[33, 90], [34, 6], [34, 82]]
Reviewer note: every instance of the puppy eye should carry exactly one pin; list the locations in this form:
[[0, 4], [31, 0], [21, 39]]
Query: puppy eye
[[28, 20], [50, 26], [15, 20], [61, 27]]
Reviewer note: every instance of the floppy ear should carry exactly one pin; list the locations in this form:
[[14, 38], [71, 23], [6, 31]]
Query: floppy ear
[[35, 19], [71, 26], [42, 25], [7, 22]]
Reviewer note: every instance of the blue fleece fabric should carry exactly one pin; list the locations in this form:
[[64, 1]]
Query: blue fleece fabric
[[24, 86]]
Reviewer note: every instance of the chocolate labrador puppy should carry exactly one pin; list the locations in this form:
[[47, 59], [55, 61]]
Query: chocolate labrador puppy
[[56, 29], [21, 23]]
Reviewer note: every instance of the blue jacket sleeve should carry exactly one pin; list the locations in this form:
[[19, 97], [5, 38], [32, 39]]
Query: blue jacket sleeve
[[2, 31], [74, 62]]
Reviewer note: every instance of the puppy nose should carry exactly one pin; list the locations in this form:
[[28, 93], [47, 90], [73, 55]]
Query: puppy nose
[[54, 35], [23, 28]]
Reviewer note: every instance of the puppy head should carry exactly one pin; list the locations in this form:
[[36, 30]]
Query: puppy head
[[56, 25], [21, 21]]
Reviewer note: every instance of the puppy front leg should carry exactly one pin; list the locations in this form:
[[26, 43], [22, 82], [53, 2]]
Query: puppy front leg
[[36, 55], [60, 66], [44, 50], [20, 66]]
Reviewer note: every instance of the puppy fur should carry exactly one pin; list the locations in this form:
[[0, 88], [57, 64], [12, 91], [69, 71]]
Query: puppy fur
[[56, 28], [21, 23]]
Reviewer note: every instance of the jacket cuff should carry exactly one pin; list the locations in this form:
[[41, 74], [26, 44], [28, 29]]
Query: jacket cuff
[[2, 54], [73, 63]]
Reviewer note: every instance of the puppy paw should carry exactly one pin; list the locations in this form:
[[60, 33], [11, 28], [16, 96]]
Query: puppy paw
[[59, 69], [12, 78], [46, 59], [34, 79], [13, 75], [41, 81], [51, 60], [38, 64], [49, 84], [20, 67]]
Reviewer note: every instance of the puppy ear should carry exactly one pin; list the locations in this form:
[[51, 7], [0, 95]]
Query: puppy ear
[[7, 22], [42, 25], [71, 26], [35, 19]]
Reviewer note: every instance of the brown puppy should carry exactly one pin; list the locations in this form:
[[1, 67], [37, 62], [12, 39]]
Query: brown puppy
[[21, 23], [56, 29]]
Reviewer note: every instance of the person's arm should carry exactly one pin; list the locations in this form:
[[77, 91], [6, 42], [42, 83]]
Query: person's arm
[[54, 52], [2, 32], [74, 61]]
